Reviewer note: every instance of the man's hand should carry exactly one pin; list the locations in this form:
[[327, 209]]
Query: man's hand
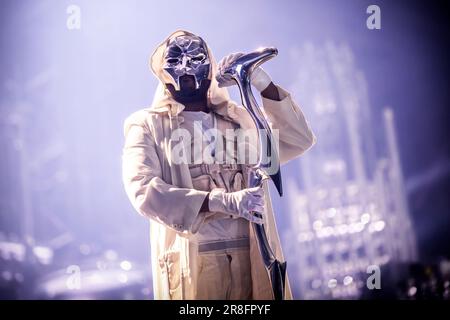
[[240, 203], [259, 79], [223, 80]]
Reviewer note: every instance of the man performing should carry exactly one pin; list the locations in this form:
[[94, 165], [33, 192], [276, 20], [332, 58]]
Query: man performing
[[200, 210]]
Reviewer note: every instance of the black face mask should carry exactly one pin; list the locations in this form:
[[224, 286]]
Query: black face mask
[[188, 93]]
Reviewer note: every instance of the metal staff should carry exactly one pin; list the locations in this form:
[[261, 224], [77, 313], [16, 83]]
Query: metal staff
[[268, 165]]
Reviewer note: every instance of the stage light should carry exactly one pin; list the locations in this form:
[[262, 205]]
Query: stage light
[[365, 218], [347, 280], [317, 225], [332, 283], [126, 265], [111, 255], [44, 254]]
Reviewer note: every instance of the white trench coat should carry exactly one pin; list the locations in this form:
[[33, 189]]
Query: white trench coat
[[162, 190]]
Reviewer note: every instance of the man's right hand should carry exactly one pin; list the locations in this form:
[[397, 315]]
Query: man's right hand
[[241, 203]]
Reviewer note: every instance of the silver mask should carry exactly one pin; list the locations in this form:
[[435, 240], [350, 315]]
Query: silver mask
[[187, 55]]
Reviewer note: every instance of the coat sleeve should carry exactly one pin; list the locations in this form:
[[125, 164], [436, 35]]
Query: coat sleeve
[[177, 208], [295, 134]]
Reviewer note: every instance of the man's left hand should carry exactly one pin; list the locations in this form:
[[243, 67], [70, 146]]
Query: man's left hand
[[259, 78]]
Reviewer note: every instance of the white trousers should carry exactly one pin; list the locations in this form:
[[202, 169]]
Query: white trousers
[[224, 275]]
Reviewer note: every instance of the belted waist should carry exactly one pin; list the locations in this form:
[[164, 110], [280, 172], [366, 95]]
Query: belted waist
[[224, 245], [200, 169]]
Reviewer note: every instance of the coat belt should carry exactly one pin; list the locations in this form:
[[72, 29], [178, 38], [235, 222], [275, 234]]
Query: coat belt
[[223, 245]]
